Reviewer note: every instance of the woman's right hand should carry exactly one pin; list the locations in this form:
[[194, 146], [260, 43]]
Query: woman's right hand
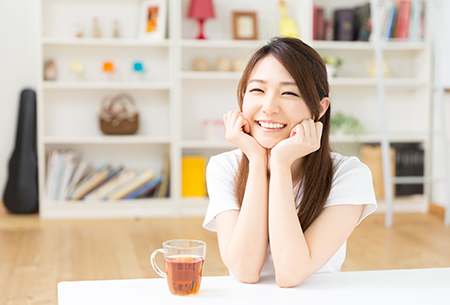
[[238, 132]]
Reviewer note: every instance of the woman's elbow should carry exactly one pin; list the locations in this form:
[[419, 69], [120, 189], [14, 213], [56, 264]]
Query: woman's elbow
[[289, 281], [247, 277]]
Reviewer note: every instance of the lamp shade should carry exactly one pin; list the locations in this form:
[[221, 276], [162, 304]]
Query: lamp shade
[[201, 9]]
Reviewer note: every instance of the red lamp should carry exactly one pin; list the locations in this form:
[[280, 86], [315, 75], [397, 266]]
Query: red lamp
[[201, 10]]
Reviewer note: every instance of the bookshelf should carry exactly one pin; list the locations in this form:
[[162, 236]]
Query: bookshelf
[[175, 100]]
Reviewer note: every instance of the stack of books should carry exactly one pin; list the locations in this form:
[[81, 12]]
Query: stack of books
[[399, 20], [71, 178]]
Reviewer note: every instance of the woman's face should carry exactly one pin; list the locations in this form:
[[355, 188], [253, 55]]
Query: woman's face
[[272, 103]]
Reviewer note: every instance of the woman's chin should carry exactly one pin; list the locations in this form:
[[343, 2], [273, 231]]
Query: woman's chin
[[268, 143]]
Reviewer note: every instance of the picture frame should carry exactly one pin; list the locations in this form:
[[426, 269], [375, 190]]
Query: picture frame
[[245, 26], [153, 20]]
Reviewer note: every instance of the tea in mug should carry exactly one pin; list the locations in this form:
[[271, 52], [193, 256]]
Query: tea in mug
[[184, 273]]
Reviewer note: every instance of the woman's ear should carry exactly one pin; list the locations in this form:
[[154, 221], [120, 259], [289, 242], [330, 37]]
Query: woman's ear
[[324, 103]]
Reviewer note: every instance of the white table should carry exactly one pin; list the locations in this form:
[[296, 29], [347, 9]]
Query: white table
[[415, 286]]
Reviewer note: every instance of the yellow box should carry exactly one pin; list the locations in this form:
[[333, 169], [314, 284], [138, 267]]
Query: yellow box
[[193, 176]]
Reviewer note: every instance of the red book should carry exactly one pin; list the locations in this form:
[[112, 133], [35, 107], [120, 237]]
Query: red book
[[314, 22], [403, 19], [320, 25]]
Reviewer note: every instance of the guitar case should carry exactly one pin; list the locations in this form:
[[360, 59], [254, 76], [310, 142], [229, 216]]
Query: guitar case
[[21, 192]]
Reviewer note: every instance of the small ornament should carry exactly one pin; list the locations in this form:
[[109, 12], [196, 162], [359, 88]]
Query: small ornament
[[116, 30], [79, 32], [202, 64], [287, 25], [138, 71], [50, 72], [95, 29], [224, 64], [239, 64], [77, 70], [109, 70]]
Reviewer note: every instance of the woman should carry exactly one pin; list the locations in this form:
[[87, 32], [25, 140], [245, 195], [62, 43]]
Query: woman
[[283, 203]]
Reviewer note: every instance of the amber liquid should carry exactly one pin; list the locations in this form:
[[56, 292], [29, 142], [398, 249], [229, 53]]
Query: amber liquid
[[184, 274]]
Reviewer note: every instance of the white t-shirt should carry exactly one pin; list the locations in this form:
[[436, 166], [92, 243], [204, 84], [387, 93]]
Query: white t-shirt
[[352, 184]]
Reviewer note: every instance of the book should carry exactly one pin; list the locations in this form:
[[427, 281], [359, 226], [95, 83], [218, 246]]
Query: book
[[193, 176], [320, 26], [112, 172], [145, 188], [363, 26], [343, 24], [52, 164], [70, 163], [96, 177], [102, 192], [79, 174], [414, 21], [409, 163], [390, 21], [163, 190], [384, 13], [143, 177], [403, 20]]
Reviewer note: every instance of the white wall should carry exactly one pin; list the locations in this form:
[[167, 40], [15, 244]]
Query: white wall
[[18, 69]]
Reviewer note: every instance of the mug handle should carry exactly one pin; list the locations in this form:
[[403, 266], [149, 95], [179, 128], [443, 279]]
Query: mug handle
[[153, 262]]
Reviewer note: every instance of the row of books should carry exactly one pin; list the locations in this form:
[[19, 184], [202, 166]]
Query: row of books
[[401, 20], [404, 20], [345, 24], [70, 177], [407, 160]]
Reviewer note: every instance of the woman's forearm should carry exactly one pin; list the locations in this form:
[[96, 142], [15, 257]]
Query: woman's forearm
[[246, 250], [291, 255]]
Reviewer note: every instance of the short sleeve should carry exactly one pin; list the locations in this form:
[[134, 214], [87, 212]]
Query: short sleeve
[[352, 184], [220, 174]]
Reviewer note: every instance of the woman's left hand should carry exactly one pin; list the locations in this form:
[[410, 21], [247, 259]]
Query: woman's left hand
[[303, 140]]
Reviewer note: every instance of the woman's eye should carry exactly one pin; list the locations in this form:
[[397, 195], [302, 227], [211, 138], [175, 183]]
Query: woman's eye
[[256, 90], [291, 93]]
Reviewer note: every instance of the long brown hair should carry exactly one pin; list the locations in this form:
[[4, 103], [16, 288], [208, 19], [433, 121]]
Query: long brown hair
[[307, 68]]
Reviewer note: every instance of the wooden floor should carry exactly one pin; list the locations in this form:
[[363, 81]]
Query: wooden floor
[[35, 255]]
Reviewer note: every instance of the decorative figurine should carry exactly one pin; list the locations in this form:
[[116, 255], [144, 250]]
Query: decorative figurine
[[138, 71], [79, 32], [202, 64], [50, 72], [116, 30], [108, 70], [239, 64], [224, 64], [287, 25], [77, 70], [371, 67], [95, 28]]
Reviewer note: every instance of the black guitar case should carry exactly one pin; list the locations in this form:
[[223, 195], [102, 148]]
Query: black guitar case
[[21, 192]]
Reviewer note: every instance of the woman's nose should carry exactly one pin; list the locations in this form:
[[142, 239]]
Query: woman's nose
[[270, 104]]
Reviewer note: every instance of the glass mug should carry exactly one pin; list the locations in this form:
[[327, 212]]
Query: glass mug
[[184, 260]]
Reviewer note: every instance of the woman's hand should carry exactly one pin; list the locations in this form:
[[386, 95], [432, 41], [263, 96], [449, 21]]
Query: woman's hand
[[238, 132], [303, 140]]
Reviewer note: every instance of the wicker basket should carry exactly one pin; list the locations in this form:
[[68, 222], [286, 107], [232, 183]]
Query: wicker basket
[[118, 115]]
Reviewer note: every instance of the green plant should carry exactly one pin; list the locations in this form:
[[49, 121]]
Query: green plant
[[347, 124], [332, 60]]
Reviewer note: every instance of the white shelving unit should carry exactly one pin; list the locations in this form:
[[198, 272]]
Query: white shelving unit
[[175, 99]]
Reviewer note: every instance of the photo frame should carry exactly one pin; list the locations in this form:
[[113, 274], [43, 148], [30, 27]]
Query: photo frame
[[153, 20], [245, 26]]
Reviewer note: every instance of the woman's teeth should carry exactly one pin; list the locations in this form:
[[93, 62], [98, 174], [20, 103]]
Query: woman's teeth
[[271, 125]]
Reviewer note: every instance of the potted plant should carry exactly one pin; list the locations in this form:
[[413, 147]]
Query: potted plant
[[332, 63]]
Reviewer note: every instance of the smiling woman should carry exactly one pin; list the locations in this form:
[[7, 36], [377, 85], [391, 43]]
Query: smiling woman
[[283, 203]]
